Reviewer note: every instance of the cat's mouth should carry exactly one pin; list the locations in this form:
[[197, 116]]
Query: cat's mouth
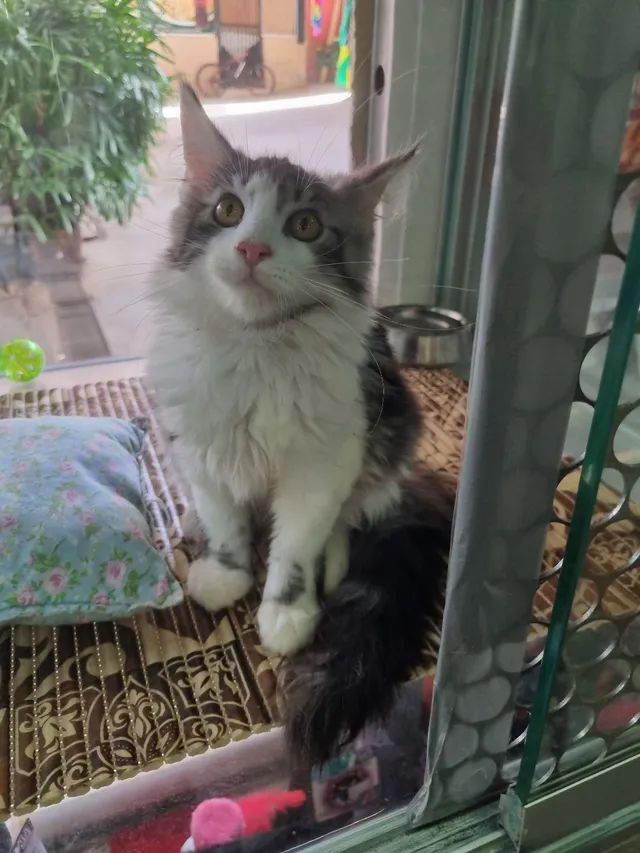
[[249, 278], [252, 293]]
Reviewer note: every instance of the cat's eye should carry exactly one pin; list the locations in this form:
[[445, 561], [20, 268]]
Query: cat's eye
[[305, 225], [228, 211]]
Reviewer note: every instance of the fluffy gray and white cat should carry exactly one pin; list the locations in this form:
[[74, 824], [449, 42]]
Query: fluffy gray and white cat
[[273, 373]]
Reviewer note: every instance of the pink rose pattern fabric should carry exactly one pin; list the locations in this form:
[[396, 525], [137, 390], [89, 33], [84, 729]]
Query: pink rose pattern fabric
[[75, 544]]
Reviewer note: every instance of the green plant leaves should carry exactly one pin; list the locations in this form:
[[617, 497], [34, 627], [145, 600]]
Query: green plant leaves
[[80, 105]]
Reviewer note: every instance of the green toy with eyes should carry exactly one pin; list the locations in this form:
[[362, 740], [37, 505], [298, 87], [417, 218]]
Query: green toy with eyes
[[21, 360]]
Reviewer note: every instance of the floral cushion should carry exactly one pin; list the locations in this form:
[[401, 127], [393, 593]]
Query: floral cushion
[[75, 543]]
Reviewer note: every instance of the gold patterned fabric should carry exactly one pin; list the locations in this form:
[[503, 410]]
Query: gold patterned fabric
[[81, 706]]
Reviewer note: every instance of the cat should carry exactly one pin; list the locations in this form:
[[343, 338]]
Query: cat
[[272, 371]]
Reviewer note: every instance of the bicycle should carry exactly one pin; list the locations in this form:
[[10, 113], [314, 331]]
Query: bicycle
[[246, 71]]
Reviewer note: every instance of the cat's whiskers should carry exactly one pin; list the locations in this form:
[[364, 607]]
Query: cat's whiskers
[[123, 266], [241, 162], [163, 225], [143, 319], [144, 298], [136, 224], [339, 294], [365, 103], [358, 67], [134, 274], [333, 290], [349, 263], [321, 267], [332, 249], [313, 151]]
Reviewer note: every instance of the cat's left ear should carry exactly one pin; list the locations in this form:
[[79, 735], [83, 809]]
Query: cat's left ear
[[205, 148], [366, 186]]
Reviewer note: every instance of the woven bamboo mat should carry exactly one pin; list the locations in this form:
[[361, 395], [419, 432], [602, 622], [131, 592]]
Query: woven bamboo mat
[[81, 706]]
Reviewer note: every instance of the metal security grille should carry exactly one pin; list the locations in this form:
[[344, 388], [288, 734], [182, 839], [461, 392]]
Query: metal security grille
[[238, 25], [553, 181], [584, 698]]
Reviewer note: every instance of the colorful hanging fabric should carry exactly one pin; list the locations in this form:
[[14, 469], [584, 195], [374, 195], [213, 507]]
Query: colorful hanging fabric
[[316, 18], [343, 65]]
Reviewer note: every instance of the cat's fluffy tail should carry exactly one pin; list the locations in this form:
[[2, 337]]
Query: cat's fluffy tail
[[372, 633]]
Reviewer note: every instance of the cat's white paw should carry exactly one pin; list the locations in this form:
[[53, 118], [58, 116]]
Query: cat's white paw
[[286, 628], [215, 586]]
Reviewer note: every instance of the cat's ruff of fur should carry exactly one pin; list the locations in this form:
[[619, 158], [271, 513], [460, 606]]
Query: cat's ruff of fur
[[279, 385]]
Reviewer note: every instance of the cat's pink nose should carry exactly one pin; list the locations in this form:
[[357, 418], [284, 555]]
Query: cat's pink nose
[[252, 252]]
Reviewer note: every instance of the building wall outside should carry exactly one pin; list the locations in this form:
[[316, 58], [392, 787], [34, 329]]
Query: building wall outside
[[279, 16]]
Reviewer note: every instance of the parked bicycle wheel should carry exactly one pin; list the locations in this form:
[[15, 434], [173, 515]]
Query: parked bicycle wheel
[[268, 83], [208, 80]]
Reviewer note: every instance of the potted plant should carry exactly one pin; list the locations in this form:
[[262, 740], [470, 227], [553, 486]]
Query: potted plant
[[80, 105]]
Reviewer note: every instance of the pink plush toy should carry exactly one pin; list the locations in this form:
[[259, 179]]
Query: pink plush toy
[[219, 820]]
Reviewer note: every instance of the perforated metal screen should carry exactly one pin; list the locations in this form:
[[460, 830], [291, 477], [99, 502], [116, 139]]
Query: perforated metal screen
[[585, 700]]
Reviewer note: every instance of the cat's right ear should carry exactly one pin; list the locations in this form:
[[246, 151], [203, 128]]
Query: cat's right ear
[[364, 187], [205, 148]]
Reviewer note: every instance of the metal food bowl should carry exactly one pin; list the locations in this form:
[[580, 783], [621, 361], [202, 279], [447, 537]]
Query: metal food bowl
[[427, 337]]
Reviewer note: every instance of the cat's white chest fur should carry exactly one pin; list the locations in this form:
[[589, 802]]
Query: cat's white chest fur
[[246, 405]]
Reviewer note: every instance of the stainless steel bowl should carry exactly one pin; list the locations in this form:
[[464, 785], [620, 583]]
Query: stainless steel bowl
[[427, 337]]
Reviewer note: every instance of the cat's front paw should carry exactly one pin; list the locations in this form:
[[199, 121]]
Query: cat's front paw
[[287, 628], [216, 586]]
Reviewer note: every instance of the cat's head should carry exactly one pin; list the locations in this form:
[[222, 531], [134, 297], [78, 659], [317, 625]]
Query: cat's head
[[262, 238]]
